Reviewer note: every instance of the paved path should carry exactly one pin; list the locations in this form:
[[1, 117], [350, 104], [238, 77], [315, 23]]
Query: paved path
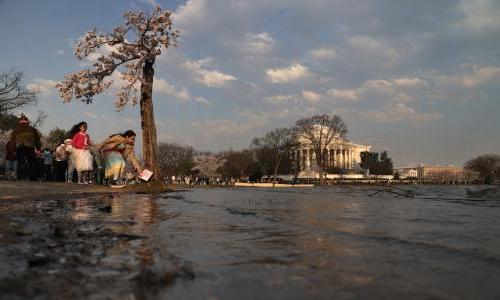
[[29, 189]]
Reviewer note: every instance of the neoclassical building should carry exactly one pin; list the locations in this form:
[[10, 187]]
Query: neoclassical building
[[340, 154]]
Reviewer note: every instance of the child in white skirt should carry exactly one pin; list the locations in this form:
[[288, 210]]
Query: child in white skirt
[[83, 157]]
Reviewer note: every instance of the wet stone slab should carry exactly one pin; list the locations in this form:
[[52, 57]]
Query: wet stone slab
[[92, 247]]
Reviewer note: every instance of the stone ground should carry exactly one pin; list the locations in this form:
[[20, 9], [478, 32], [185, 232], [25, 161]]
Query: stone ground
[[48, 251]]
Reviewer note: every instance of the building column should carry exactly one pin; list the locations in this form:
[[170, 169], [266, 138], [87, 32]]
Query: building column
[[306, 157], [296, 159], [349, 156], [303, 157], [334, 157], [343, 159], [312, 157], [339, 161]]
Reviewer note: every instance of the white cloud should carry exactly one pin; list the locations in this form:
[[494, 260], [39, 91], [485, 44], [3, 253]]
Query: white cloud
[[90, 115], [162, 86], [289, 74], [258, 44], [214, 78], [279, 98], [480, 14], [409, 82], [129, 121], [248, 120], [190, 15], [379, 85], [167, 123], [104, 50], [480, 76], [323, 53], [376, 46], [398, 113], [368, 53], [206, 77], [202, 100], [344, 94], [311, 96], [221, 127], [45, 87]]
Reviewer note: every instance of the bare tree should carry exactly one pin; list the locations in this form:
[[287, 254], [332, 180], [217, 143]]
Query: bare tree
[[175, 159], [278, 143], [238, 164], [132, 47], [487, 165], [12, 94], [321, 132]]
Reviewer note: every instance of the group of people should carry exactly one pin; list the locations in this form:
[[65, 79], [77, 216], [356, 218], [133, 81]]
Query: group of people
[[77, 155]]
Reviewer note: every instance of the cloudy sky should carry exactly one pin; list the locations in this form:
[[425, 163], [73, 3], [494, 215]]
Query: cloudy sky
[[420, 79]]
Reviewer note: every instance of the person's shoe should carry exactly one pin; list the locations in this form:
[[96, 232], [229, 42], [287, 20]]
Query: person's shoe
[[117, 184]]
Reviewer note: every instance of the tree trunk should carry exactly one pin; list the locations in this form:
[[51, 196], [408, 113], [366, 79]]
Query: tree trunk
[[319, 164], [149, 144]]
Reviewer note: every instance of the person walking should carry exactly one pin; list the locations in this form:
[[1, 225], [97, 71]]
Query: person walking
[[60, 163], [116, 149], [10, 161], [83, 158], [47, 164], [70, 159], [27, 141]]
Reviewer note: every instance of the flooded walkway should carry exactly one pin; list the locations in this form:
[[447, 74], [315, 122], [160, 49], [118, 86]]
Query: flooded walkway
[[320, 243]]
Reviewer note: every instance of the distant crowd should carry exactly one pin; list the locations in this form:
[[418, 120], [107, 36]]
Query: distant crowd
[[200, 180], [76, 160]]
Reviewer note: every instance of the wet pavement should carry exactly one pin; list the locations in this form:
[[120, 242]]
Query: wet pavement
[[343, 242]]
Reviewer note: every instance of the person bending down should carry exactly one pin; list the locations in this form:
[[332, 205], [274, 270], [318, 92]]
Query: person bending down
[[117, 149]]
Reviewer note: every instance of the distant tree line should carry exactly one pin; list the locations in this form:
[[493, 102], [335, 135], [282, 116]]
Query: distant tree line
[[377, 166], [487, 166], [268, 155]]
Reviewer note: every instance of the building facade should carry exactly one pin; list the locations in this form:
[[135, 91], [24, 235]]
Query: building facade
[[435, 173], [340, 154]]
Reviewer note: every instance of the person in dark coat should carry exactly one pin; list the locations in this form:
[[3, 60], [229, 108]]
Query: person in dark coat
[[27, 141], [10, 160]]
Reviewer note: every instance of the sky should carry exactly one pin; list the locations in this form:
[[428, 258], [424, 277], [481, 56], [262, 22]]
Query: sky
[[419, 79]]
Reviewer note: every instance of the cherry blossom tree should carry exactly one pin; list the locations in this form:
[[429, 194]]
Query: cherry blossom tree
[[208, 164], [129, 53]]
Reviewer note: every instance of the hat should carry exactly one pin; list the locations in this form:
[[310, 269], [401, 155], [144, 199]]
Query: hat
[[23, 118]]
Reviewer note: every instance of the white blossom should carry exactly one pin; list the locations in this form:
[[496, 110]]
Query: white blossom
[[143, 37]]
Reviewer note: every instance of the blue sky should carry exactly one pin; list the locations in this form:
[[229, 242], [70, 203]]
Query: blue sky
[[417, 78]]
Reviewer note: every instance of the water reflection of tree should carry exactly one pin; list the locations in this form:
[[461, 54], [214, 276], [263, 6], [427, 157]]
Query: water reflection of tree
[[138, 212], [140, 209]]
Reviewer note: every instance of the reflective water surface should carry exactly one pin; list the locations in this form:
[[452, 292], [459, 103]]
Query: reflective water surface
[[441, 242], [341, 242]]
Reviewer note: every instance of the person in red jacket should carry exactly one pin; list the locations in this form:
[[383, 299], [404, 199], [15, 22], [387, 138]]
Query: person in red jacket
[[83, 157]]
